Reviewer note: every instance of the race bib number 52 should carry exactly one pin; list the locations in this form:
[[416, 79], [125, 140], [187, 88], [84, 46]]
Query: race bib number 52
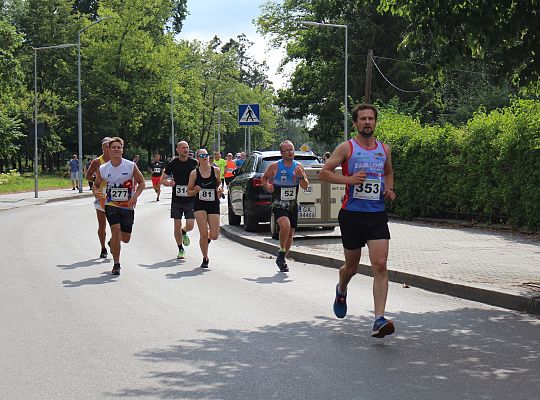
[[288, 193]]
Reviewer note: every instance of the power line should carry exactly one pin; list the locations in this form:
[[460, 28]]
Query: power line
[[391, 84], [426, 65]]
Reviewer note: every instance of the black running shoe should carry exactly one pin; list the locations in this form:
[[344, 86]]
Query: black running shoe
[[205, 263], [103, 253], [281, 263], [116, 269]]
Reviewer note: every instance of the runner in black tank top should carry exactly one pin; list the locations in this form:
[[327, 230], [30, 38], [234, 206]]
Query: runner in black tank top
[[205, 185]]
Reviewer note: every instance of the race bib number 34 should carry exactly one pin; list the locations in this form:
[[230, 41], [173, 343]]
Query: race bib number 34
[[119, 194], [288, 193], [181, 191], [369, 190]]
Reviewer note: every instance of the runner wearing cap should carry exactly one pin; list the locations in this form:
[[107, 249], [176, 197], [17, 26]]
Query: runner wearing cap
[[100, 212]]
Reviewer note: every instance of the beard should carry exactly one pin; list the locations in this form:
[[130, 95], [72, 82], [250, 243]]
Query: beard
[[366, 133]]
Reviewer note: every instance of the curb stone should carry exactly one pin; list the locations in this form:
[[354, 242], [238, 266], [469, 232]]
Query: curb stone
[[499, 299]]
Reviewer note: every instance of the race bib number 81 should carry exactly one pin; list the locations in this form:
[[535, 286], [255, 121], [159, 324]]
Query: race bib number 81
[[369, 190], [207, 195]]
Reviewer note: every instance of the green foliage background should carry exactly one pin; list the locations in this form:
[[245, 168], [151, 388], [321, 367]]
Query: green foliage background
[[488, 169]]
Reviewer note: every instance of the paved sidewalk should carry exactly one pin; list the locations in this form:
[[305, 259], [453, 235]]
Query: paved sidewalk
[[25, 199], [496, 268]]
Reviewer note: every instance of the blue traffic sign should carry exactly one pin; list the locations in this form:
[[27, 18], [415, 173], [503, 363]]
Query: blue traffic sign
[[248, 114]]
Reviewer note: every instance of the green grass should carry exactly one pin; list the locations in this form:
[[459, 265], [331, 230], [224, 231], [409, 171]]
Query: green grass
[[12, 182]]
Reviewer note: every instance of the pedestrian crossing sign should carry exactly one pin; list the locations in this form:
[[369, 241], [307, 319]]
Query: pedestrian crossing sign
[[248, 114]]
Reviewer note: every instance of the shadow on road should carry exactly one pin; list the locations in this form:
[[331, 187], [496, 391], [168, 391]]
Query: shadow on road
[[105, 277], [186, 274], [456, 354], [279, 277], [83, 264], [173, 262]]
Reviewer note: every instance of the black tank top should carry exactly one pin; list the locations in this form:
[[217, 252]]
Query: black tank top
[[208, 192]]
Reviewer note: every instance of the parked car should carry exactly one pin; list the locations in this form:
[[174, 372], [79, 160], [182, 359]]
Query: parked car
[[247, 195]]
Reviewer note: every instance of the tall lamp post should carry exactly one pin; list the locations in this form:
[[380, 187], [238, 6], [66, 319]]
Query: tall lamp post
[[79, 108], [220, 95], [345, 111], [59, 46]]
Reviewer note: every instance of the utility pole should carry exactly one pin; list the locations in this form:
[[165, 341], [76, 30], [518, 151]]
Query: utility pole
[[369, 74]]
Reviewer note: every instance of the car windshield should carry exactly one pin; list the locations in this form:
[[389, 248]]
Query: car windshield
[[305, 160]]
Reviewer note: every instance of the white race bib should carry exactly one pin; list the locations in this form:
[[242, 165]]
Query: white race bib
[[181, 191], [288, 193], [157, 170], [207, 194], [119, 194], [369, 190]]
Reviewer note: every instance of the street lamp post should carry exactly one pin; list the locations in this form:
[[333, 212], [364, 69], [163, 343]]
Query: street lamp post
[[59, 46], [173, 145], [345, 111], [219, 119], [79, 108]]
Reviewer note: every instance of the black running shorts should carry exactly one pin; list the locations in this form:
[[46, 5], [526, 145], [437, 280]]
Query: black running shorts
[[291, 213], [211, 207], [359, 227], [122, 216], [182, 209]]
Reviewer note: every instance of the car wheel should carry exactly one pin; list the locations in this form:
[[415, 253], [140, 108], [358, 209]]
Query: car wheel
[[250, 221], [233, 218], [274, 227]]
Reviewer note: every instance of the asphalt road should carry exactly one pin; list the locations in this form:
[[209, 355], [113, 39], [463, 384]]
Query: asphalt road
[[165, 329]]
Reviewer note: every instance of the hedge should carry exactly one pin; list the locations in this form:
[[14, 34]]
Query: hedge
[[487, 170]]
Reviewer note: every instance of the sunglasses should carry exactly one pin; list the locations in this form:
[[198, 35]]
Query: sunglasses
[[203, 155]]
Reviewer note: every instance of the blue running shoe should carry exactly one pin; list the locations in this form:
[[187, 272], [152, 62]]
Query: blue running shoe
[[382, 327], [340, 304]]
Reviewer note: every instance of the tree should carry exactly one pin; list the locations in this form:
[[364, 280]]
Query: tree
[[501, 33], [317, 83], [11, 88]]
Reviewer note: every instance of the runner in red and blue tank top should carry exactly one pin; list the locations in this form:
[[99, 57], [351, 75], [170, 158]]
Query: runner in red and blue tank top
[[369, 178]]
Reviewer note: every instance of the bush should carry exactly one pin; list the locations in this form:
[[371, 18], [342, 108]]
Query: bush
[[10, 177], [487, 170]]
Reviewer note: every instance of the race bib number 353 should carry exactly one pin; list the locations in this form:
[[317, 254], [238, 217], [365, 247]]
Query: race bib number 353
[[369, 190]]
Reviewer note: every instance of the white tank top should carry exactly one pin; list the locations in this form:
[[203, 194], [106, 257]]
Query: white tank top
[[119, 182]]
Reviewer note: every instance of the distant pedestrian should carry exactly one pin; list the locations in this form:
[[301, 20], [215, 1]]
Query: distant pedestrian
[[156, 169], [369, 179], [326, 156], [241, 159], [73, 165], [230, 166]]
